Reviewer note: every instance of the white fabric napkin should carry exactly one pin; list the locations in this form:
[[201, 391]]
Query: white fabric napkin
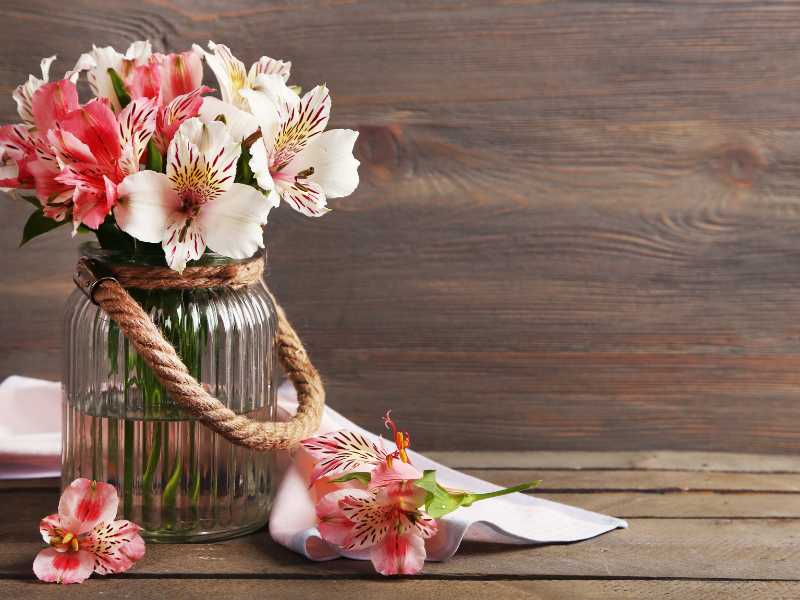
[[30, 432], [30, 428]]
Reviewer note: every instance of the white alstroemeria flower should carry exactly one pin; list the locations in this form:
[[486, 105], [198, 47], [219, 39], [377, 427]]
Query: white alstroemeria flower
[[296, 159], [196, 204], [23, 94], [232, 76], [100, 60]]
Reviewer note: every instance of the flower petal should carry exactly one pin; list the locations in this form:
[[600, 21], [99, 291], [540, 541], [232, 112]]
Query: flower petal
[[333, 525], [399, 472], [202, 159], [229, 71], [90, 502], [96, 126], [425, 525], [181, 73], [313, 112], [144, 81], [304, 196], [145, 206], [23, 94], [372, 520], [232, 223], [270, 66], [63, 567], [137, 122], [183, 241], [341, 452], [115, 546], [96, 64], [52, 102], [399, 554], [240, 124], [330, 157], [274, 90], [259, 165], [90, 207], [68, 148], [45, 174], [174, 114], [139, 51]]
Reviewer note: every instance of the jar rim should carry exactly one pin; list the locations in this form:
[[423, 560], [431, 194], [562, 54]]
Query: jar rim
[[147, 257]]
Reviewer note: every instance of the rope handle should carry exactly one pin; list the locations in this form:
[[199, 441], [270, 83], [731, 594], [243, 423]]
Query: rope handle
[[102, 287]]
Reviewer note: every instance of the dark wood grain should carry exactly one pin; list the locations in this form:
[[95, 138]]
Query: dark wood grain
[[577, 226]]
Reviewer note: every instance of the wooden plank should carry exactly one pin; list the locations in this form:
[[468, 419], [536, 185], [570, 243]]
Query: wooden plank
[[574, 231], [739, 549], [669, 460], [652, 481], [128, 588]]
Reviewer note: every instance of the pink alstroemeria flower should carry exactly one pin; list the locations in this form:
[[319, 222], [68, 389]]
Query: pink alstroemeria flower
[[342, 452], [25, 146], [96, 150], [385, 518], [387, 521], [83, 536]]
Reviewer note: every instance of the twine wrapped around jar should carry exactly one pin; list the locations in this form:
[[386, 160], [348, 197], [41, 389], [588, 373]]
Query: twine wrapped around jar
[[105, 285]]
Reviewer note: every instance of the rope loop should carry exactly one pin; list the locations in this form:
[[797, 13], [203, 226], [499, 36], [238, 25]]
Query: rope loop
[[105, 285]]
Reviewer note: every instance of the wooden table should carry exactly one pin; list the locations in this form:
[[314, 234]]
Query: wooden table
[[702, 525]]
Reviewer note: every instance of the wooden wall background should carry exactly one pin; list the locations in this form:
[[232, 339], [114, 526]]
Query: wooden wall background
[[578, 225]]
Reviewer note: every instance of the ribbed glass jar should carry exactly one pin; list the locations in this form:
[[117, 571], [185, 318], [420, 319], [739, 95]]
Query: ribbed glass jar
[[177, 479]]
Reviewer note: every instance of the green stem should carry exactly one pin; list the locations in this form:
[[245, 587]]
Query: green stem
[[170, 495], [470, 498], [127, 482], [150, 469]]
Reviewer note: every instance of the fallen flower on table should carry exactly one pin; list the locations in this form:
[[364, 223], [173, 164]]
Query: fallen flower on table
[[83, 536], [390, 508]]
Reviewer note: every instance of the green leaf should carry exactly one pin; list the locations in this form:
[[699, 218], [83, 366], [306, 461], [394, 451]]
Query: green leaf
[[243, 173], [38, 224], [358, 476], [440, 501], [119, 88], [155, 162]]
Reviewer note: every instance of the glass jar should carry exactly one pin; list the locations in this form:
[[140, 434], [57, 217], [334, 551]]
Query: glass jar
[[177, 479]]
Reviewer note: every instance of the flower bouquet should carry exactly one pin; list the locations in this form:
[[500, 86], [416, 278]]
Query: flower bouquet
[[176, 185]]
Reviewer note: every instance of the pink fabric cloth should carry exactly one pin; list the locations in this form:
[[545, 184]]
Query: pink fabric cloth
[[30, 433]]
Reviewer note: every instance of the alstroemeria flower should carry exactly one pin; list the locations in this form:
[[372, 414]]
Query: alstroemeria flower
[[96, 150], [387, 521], [27, 144], [296, 159], [84, 537], [97, 63], [233, 77], [196, 204], [24, 143], [342, 452]]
